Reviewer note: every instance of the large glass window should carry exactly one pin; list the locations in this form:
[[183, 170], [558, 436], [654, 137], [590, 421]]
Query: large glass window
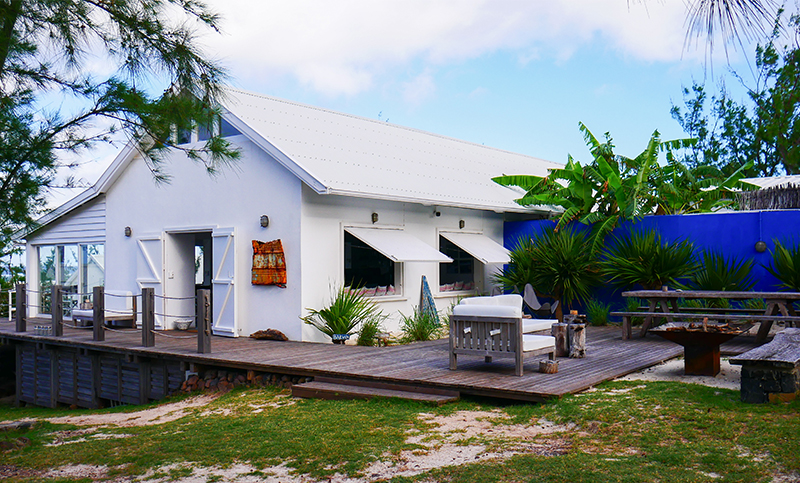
[[93, 273], [77, 268], [458, 275], [47, 276], [366, 268]]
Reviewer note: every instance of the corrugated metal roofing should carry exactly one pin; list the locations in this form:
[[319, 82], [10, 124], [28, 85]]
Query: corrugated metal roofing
[[773, 181], [338, 153]]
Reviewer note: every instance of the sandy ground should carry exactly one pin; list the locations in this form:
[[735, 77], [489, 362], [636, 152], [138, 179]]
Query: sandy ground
[[460, 438], [672, 370]]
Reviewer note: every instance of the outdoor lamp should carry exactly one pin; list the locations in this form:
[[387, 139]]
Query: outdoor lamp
[[128, 231], [761, 247], [264, 221], [462, 224], [374, 217]]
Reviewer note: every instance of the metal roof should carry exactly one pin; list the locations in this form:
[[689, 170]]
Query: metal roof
[[337, 153], [774, 181]]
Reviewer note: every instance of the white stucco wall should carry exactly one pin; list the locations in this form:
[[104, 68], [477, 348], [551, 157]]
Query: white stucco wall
[[194, 201], [323, 219]]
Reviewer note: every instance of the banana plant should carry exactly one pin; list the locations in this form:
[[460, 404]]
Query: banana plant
[[615, 188]]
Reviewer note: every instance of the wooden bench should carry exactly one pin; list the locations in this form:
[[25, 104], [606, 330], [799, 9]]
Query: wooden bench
[[771, 373], [682, 316], [495, 337]]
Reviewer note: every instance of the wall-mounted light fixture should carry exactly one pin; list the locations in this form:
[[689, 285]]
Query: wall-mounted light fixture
[[761, 247], [462, 224], [128, 231], [374, 217], [264, 221]]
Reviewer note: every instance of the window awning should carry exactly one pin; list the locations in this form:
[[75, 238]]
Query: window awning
[[481, 247], [397, 245]]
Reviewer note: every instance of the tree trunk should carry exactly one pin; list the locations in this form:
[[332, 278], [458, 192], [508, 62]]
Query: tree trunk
[[577, 341], [559, 331]]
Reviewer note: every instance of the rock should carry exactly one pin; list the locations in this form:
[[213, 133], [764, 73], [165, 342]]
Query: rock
[[269, 334]]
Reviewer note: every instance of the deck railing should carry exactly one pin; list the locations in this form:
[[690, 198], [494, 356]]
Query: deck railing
[[202, 314]]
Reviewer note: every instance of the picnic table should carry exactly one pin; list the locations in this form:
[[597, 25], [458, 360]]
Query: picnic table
[[663, 304]]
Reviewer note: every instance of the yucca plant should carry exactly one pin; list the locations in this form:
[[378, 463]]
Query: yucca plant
[[642, 258], [421, 325], [785, 265], [347, 310], [558, 264], [719, 274]]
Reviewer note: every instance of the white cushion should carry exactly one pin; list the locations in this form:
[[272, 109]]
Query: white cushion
[[509, 299], [488, 310], [536, 342], [536, 325]]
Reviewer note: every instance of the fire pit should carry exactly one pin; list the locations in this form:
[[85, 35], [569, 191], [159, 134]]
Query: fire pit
[[700, 343]]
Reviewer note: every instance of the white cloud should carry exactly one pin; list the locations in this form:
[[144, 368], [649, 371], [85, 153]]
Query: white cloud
[[419, 89], [341, 47]]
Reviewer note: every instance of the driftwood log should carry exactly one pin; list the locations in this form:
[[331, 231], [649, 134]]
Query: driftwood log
[[560, 332], [577, 341], [269, 334]]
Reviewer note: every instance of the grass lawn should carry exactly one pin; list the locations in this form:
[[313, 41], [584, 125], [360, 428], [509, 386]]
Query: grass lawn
[[627, 431]]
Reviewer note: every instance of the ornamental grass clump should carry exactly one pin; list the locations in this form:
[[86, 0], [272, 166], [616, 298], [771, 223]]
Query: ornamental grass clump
[[422, 325], [347, 310], [597, 312], [785, 265]]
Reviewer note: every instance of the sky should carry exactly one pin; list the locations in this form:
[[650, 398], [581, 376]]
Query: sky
[[517, 75]]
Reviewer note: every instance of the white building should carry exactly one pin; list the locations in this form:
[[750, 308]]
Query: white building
[[354, 201]]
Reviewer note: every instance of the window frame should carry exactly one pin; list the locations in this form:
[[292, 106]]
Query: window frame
[[478, 268], [399, 270]]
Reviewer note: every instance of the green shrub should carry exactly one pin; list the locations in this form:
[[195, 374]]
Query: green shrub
[[643, 258], [557, 264], [723, 274], [347, 310], [785, 265], [420, 326], [597, 312], [368, 332]]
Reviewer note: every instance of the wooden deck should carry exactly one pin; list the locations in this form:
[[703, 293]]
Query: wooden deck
[[419, 364]]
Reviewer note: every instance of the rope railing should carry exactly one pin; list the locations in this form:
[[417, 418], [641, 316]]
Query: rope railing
[[175, 316], [123, 331], [64, 302], [173, 298], [123, 312], [133, 296], [170, 336]]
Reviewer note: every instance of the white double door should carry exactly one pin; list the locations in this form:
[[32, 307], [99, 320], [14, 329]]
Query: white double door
[[166, 263]]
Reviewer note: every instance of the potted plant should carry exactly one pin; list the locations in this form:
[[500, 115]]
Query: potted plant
[[348, 309]]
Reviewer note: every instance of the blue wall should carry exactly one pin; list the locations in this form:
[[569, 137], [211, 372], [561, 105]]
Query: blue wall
[[732, 234]]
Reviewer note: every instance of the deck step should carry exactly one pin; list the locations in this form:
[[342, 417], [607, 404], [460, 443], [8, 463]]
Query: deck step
[[329, 388]]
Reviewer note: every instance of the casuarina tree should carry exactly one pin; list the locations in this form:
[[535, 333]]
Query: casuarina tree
[[130, 68]]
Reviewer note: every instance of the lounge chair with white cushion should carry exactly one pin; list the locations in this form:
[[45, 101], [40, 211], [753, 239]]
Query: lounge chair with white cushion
[[494, 327]]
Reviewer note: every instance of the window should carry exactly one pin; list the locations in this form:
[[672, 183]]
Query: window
[[458, 275], [47, 276], [365, 267], [78, 268]]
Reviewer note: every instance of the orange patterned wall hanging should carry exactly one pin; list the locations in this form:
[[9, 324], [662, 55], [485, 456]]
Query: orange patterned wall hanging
[[269, 264]]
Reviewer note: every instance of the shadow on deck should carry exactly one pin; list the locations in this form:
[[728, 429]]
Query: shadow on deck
[[420, 364]]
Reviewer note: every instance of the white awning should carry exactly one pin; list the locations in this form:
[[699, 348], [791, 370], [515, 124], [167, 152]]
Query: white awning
[[398, 245], [481, 247]]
